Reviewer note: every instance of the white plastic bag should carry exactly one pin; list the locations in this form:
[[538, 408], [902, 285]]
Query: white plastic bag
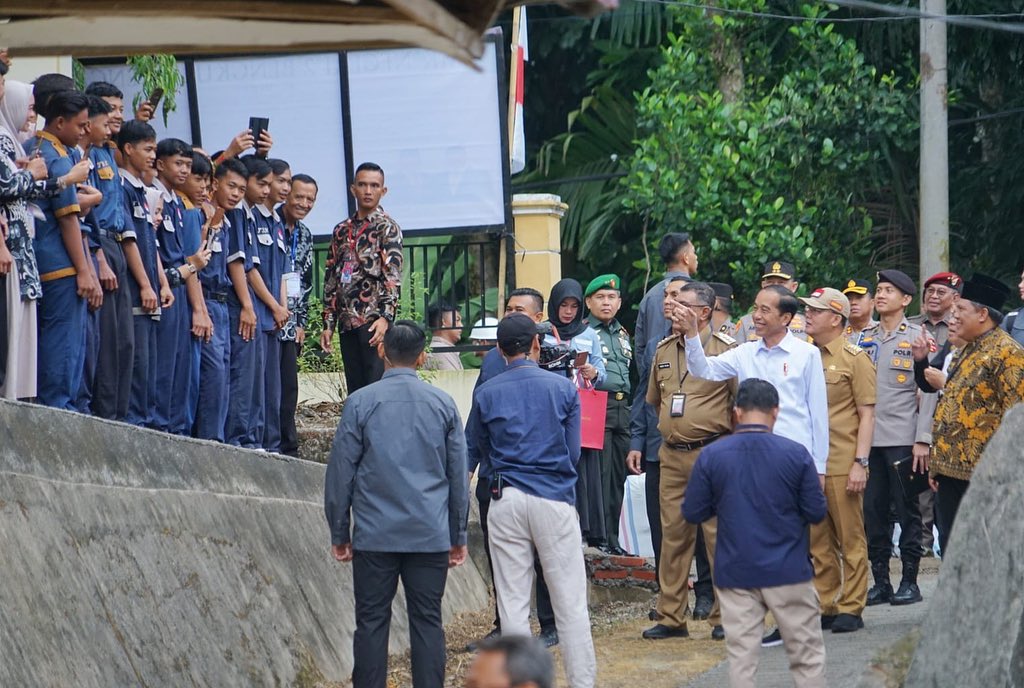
[[634, 528]]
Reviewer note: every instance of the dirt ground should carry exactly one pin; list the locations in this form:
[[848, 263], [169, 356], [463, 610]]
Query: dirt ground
[[623, 657]]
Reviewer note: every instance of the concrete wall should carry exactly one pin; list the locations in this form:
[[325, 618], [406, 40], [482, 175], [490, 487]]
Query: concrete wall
[[133, 558]]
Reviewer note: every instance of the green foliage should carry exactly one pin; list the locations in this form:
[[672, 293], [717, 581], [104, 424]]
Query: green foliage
[[782, 170], [78, 74], [157, 71], [312, 358]]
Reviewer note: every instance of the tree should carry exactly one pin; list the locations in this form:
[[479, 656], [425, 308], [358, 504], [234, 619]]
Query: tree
[[764, 141]]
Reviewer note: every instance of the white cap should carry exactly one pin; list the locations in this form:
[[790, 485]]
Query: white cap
[[485, 329]]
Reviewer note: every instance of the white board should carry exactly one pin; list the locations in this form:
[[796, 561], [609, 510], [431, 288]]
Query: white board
[[433, 124]]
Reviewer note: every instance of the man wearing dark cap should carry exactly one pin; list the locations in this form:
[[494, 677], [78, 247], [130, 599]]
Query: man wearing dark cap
[[941, 291], [525, 427], [775, 272], [721, 317], [862, 304], [900, 432], [604, 299], [985, 380]]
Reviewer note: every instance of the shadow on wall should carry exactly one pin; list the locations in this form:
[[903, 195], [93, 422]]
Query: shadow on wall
[[154, 560]]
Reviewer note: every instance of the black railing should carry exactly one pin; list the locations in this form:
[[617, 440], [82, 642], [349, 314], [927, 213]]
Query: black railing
[[459, 269]]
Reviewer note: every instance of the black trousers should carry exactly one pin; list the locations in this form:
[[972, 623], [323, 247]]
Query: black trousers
[[115, 360], [589, 499], [883, 489], [545, 612], [289, 397], [702, 587], [947, 503], [375, 580], [362, 365], [613, 465], [652, 487]]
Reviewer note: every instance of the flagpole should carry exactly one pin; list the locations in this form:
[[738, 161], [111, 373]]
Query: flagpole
[[513, 79]]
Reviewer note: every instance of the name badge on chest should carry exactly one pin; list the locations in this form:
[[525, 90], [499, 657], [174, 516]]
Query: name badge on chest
[[138, 211], [678, 405]]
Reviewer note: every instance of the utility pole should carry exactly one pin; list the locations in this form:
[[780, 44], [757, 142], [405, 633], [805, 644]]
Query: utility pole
[[934, 170]]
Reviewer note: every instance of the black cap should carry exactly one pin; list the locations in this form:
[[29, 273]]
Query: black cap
[[722, 290], [986, 290], [778, 268], [898, 279], [516, 333], [857, 286]]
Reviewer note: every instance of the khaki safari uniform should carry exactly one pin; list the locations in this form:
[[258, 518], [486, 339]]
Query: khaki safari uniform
[[706, 416], [838, 545], [939, 331]]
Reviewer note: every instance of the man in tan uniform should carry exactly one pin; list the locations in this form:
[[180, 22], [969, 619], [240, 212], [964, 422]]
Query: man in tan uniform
[[838, 544], [692, 413]]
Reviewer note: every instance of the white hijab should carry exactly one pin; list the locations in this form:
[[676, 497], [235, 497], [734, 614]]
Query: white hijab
[[14, 111]]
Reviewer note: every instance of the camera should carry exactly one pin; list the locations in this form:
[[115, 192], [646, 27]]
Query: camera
[[556, 357]]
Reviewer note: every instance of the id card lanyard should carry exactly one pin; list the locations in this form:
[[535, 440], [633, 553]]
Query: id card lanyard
[[353, 241], [678, 404]]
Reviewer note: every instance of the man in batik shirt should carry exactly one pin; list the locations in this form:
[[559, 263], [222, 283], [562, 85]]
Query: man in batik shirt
[[362, 281]]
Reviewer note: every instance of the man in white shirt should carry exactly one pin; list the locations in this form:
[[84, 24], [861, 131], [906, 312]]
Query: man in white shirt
[[792, 365]]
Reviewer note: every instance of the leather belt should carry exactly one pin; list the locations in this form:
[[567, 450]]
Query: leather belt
[[618, 396], [690, 446], [219, 297], [116, 236]]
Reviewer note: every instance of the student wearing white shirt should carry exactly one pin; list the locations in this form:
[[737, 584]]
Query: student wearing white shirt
[[792, 365]]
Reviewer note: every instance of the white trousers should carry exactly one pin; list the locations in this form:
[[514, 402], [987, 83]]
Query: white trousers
[[796, 611], [518, 524]]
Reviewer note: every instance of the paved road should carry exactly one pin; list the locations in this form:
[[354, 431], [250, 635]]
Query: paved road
[[847, 655]]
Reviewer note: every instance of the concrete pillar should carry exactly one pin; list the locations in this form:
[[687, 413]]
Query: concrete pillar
[[538, 227]]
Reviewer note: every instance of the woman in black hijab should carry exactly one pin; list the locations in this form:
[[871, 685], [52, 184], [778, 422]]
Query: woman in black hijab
[[565, 313]]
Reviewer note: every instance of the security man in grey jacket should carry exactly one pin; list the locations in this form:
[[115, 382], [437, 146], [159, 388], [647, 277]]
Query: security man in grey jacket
[[398, 469]]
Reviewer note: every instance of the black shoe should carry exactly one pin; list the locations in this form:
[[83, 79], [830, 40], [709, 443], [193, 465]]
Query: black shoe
[[548, 636], [702, 607], [718, 633], [473, 646], [613, 551], [653, 615], [773, 639], [880, 593], [908, 593], [661, 631], [847, 623], [827, 620]]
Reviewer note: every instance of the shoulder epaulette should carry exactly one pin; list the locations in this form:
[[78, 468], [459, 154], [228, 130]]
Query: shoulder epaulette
[[728, 339], [852, 348], [669, 338]]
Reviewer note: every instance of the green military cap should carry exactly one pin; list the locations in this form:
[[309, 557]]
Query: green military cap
[[604, 282]]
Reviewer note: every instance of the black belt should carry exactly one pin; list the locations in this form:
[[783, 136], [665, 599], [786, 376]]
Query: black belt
[[690, 446], [116, 236], [219, 297]]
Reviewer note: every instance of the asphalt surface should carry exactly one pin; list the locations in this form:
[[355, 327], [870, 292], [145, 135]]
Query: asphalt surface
[[848, 655]]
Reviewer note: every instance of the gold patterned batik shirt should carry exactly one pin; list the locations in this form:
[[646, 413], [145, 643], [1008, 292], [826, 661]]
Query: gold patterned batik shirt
[[986, 379]]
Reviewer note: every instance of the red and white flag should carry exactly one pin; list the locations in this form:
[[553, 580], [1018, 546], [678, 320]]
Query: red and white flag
[[520, 55]]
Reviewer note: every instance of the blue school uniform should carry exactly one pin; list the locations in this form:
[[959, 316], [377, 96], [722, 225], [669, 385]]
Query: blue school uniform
[[113, 380], [174, 332], [191, 238], [239, 429], [140, 230], [215, 355], [61, 311], [271, 249]]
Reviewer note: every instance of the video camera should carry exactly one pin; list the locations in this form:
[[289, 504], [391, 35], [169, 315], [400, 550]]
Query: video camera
[[556, 357]]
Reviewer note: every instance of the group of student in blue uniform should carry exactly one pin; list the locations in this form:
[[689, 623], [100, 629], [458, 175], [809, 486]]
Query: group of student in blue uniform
[[174, 290]]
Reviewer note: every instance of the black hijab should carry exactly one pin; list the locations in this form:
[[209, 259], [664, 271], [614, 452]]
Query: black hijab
[[564, 289]]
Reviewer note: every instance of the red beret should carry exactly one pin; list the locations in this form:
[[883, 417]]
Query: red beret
[[948, 279]]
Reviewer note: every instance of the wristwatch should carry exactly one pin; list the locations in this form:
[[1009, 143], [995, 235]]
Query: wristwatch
[[862, 460], [387, 316]]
